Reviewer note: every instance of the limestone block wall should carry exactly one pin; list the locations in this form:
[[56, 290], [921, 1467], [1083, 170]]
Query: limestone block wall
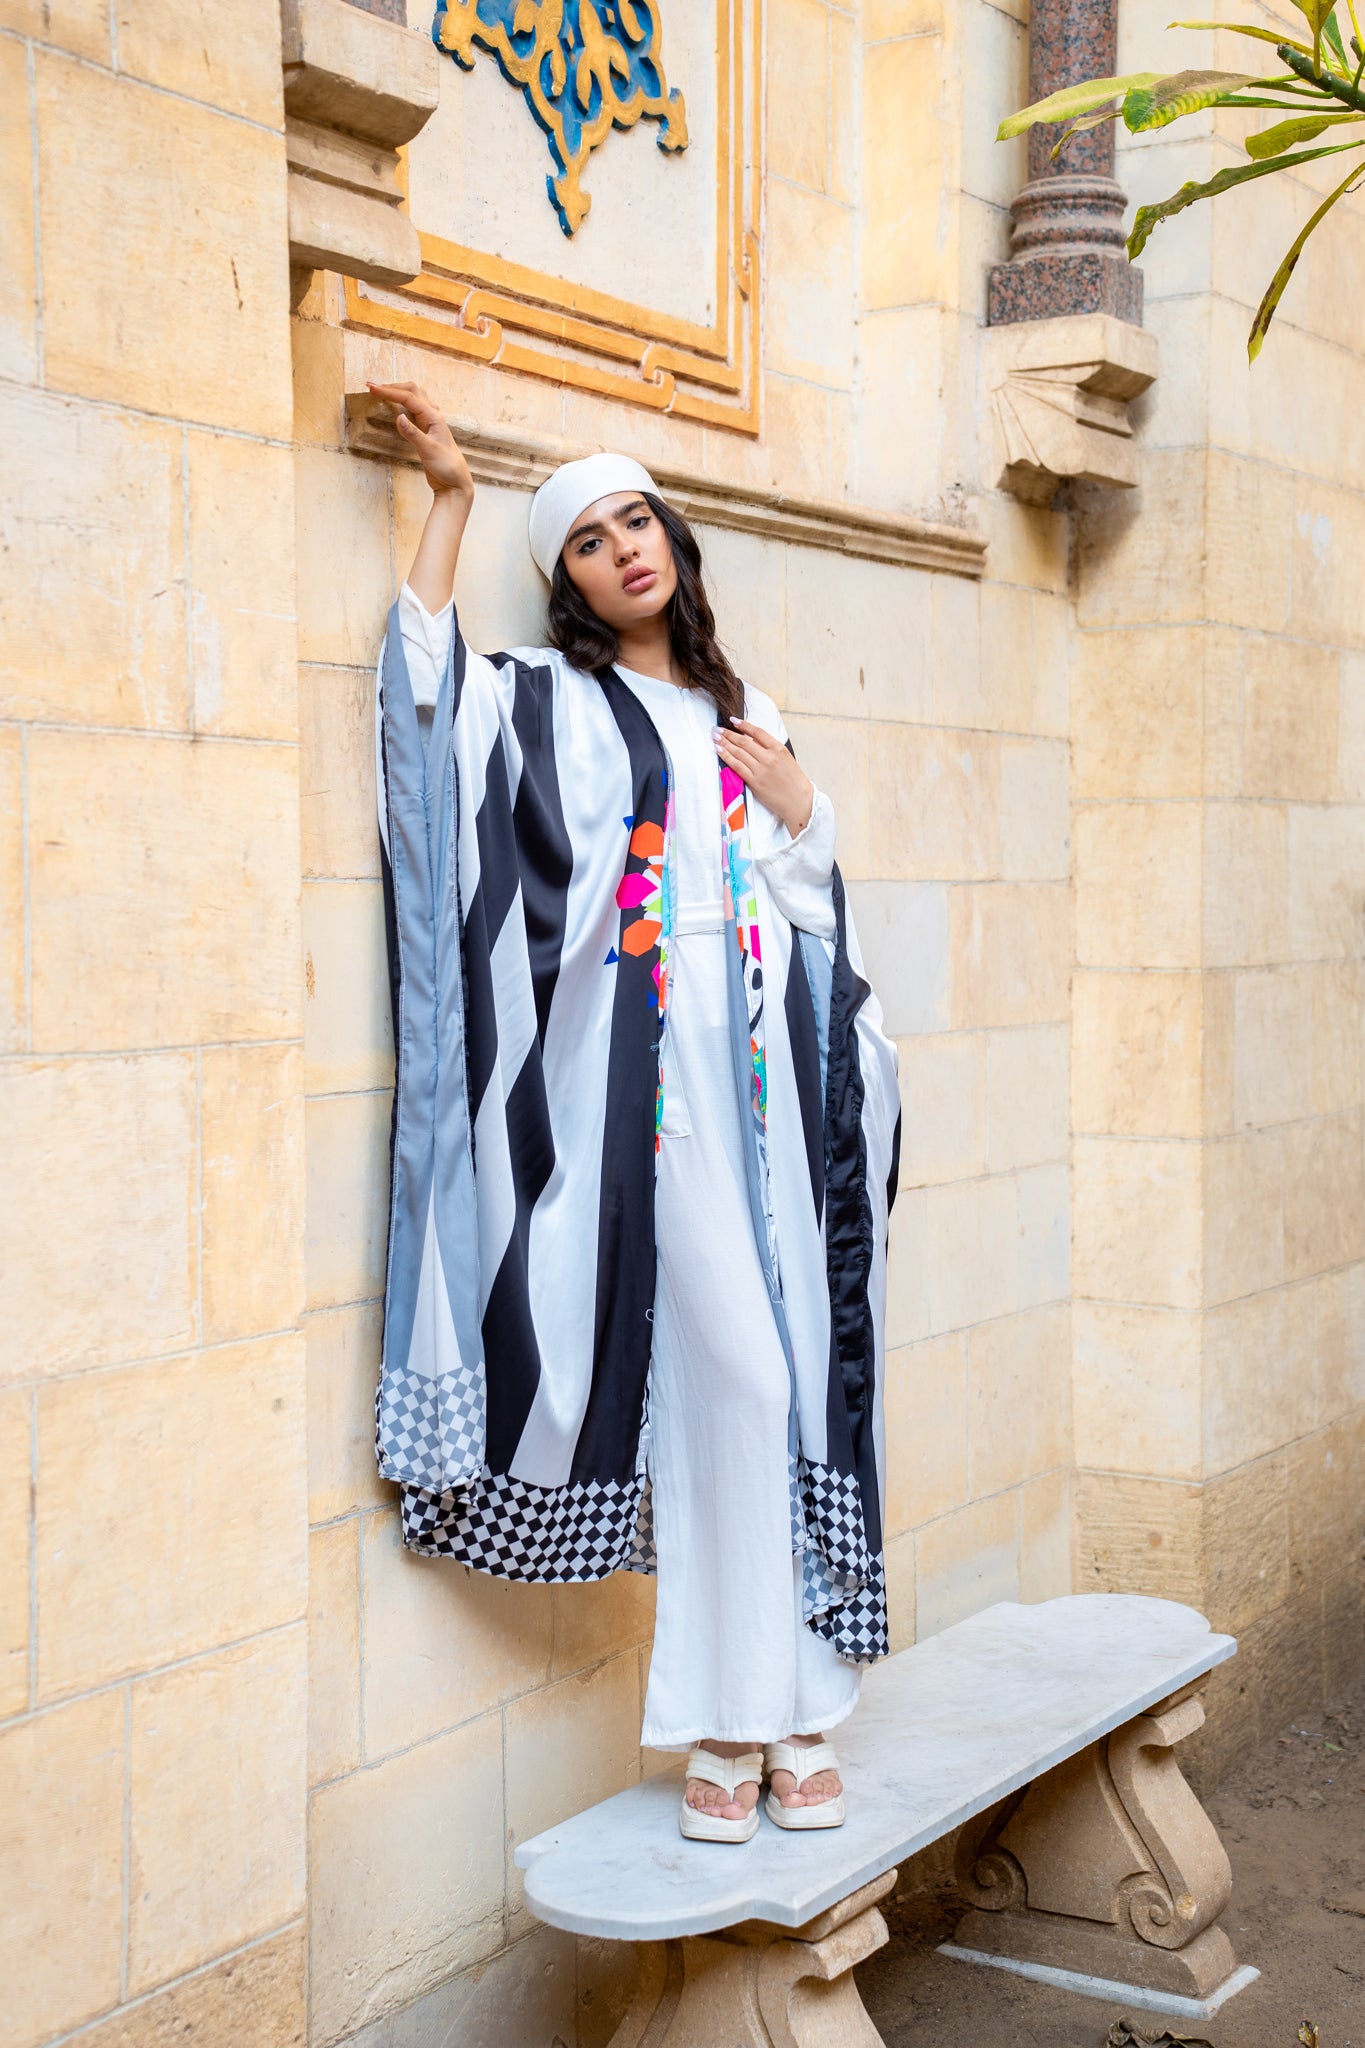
[[1219, 864], [152, 1561]]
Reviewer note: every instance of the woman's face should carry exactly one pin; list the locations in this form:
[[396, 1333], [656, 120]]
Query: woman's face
[[620, 560]]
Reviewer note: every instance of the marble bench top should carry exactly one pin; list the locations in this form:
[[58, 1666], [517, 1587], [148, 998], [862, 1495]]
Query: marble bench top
[[943, 1731]]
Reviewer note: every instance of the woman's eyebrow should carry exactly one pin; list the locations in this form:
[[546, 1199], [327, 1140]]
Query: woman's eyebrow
[[597, 526]]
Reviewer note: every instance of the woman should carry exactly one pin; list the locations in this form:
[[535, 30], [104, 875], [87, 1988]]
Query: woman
[[644, 1136]]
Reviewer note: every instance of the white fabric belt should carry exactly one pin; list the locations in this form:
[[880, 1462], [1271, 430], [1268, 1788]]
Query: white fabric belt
[[695, 918]]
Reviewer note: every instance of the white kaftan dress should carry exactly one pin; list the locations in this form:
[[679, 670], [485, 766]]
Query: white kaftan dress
[[732, 1659]]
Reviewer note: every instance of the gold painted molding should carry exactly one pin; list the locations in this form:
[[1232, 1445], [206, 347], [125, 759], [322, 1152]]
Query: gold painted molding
[[503, 455], [469, 303]]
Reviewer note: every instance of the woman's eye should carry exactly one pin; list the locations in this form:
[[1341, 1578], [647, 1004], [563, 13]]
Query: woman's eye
[[586, 547], [640, 519]]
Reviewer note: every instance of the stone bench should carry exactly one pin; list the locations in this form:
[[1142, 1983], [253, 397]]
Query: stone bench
[[1046, 1733]]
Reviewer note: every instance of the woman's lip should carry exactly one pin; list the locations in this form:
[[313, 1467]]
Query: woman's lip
[[637, 579]]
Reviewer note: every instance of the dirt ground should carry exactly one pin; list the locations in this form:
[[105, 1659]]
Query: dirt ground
[[1293, 1820]]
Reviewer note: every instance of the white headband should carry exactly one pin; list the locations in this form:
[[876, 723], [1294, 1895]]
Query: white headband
[[573, 487]]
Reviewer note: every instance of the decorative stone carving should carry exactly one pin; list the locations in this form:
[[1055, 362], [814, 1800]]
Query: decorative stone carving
[[1058, 395], [1106, 1866], [1067, 243], [757, 1985], [355, 87]]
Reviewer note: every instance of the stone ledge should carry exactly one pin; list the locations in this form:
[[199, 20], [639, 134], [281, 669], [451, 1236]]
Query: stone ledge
[[1058, 393], [502, 455]]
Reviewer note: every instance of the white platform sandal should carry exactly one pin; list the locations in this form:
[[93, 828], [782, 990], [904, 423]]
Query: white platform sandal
[[728, 1772], [803, 1761]]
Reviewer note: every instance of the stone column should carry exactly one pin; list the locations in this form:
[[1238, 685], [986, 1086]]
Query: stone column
[[1067, 244]]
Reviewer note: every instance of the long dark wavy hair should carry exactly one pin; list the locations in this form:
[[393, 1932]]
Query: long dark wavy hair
[[586, 641]]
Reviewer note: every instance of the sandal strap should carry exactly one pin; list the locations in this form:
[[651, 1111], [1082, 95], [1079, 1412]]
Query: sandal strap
[[801, 1759], [726, 1771]]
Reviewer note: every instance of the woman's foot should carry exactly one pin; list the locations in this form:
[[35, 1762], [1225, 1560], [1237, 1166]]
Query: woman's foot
[[815, 1791], [714, 1799]]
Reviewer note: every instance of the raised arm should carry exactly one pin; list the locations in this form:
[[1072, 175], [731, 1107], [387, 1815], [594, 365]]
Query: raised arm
[[423, 427]]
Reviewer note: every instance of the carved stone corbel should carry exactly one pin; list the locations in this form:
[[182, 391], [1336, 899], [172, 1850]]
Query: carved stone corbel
[[1058, 394], [757, 1985], [1106, 1867], [355, 87]]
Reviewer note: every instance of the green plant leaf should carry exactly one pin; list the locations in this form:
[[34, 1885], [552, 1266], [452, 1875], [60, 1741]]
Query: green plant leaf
[[1265, 312], [1288, 134], [1331, 35], [1082, 128], [1184, 92], [1315, 13], [1073, 100], [1241, 28], [1149, 217]]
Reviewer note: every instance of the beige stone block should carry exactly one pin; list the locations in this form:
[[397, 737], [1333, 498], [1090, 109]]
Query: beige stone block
[[1246, 1548], [943, 1108], [568, 1746], [18, 267], [1010, 952], [383, 1930], [1338, 997], [1327, 534], [101, 1238], [1027, 1112], [69, 24], [1326, 892], [858, 637], [256, 1996], [1247, 535], [345, 584], [798, 92], [1044, 1235], [61, 1856], [808, 329], [1273, 1046], [1052, 644], [1028, 545], [343, 1347], [15, 1438], [1341, 1342], [318, 350], [1246, 885], [1222, 665], [1136, 1389], [1138, 1221], [911, 436], [198, 1492], [747, 576], [1045, 1565], [201, 331], [1145, 567], [908, 246], [145, 934], [347, 1020], [1018, 1398], [1325, 1514], [845, 109], [900, 1591], [334, 1650], [833, 752], [1136, 1062], [996, 1245], [926, 1431], [983, 671], [183, 49], [242, 587], [907, 1270], [1244, 1223], [1259, 1387], [935, 804], [217, 1788], [1137, 873], [101, 514], [1034, 811], [252, 1169], [884, 20], [1137, 702], [1139, 1536], [337, 772], [965, 1562], [1289, 737], [1324, 1194], [13, 911], [442, 1643], [348, 1198], [1219, 999], [1351, 729], [600, 1619]]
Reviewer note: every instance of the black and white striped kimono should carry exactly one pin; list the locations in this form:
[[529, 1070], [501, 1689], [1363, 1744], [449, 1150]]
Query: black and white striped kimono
[[531, 895]]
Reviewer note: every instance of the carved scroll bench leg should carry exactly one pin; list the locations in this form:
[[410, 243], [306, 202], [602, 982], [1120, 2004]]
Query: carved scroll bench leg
[[1107, 1871], [761, 1986]]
